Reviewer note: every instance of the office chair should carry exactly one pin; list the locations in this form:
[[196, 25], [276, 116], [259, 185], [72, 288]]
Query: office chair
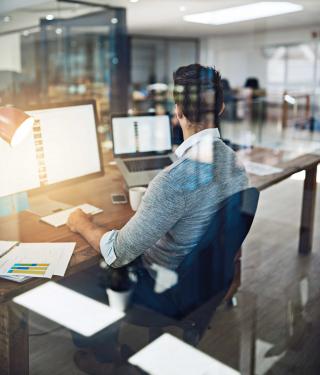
[[230, 101], [252, 83], [208, 276]]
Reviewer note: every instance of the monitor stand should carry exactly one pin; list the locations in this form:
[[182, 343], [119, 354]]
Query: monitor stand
[[43, 206]]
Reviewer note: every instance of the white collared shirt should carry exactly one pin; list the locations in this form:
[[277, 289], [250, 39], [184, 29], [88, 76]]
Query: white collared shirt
[[195, 139]]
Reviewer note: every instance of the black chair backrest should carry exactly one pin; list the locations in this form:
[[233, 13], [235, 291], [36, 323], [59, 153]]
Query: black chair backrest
[[209, 268], [252, 83], [225, 85]]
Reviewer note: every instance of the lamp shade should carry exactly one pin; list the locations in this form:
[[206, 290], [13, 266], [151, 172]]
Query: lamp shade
[[14, 125]]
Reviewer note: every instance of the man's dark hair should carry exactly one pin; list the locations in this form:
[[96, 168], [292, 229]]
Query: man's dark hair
[[199, 94]]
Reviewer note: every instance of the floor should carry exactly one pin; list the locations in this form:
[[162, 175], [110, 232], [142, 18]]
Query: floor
[[275, 327], [280, 291]]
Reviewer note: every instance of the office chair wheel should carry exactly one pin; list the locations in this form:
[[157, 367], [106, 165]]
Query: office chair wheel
[[192, 338], [191, 333], [232, 302]]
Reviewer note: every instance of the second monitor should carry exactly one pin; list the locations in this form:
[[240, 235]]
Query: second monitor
[[63, 147]]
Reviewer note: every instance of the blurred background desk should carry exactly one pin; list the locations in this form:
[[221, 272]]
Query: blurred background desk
[[26, 227]]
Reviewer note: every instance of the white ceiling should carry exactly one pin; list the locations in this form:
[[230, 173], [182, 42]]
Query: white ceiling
[[160, 17], [163, 17]]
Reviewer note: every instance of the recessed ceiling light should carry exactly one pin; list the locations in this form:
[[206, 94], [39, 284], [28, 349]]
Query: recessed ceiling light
[[182, 8], [114, 20], [6, 19], [290, 99], [244, 13], [58, 31], [133, 1], [49, 17]]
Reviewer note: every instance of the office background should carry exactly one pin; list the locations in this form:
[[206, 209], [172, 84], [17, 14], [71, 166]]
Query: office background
[[122, 54], [115, 55]]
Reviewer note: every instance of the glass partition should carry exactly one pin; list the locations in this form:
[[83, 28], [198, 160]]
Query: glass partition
[[153, 61], [286, 108], [80, 53], [180, 273]]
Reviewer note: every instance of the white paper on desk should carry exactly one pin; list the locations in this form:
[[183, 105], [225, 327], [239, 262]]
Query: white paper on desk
[[6, 246], [21, 259], [168, 355], [17, 279], [60, 218], [260, 169], [57, 254], [66, 250]]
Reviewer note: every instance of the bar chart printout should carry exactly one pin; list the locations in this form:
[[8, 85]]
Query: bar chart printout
[[26, 267], [27, 260], [31, 269]]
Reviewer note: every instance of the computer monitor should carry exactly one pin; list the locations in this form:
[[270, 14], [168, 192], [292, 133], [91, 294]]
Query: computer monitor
[[63, 147], [144, 134]]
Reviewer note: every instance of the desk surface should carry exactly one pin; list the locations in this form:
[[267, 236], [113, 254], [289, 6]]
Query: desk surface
[[290, 162], [26, 227]]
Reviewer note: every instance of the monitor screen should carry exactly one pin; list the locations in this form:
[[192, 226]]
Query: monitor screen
[[141, 134], [62, 146]]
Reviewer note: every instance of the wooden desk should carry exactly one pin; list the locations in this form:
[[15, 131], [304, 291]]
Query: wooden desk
[[25, 227], [290, 166]]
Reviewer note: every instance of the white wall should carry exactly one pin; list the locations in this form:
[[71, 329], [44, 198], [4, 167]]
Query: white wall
[[160, 57], [241, 56], [7, 6], [11, 54]]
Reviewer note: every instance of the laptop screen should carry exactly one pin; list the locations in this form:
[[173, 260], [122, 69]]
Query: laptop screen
[[145, 134]]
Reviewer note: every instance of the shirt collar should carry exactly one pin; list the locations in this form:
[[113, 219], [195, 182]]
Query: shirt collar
[[196, 138]]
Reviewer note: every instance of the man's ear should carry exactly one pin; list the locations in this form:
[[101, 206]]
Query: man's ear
[[179, 113], [222, 109]]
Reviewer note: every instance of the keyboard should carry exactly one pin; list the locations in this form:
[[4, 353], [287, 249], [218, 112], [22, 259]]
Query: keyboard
[[147, 164], [61, 217]]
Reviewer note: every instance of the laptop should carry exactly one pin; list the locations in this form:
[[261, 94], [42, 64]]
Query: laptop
[[142, 146]]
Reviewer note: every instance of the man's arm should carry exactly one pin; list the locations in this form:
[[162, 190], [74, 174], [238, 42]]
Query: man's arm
[[160, 209], [81, 223]]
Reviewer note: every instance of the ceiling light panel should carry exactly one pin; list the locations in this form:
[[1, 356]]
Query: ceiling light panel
[[244, 13]]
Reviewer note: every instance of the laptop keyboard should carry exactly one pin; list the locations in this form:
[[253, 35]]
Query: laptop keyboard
[[147, 164]]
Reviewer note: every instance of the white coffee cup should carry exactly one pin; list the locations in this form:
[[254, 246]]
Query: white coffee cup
[[135, 196], [119, 300]]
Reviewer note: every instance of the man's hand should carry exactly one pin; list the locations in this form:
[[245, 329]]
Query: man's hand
[[78, 220]]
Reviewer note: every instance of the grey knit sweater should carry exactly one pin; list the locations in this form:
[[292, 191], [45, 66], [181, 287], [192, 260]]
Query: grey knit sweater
[[178, 206]]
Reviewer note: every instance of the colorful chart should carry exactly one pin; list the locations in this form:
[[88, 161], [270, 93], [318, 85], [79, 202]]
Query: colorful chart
[[29, 268]]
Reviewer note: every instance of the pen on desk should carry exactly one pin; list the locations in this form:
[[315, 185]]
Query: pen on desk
[[7, 251]]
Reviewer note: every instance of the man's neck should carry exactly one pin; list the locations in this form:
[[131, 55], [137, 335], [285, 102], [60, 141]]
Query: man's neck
[[188, 132]]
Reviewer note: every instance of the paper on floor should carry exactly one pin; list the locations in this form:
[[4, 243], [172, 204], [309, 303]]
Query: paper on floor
[[68, 308], [168, 355]]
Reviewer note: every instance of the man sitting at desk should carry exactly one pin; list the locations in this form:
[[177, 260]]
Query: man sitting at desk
[[181, 199]]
